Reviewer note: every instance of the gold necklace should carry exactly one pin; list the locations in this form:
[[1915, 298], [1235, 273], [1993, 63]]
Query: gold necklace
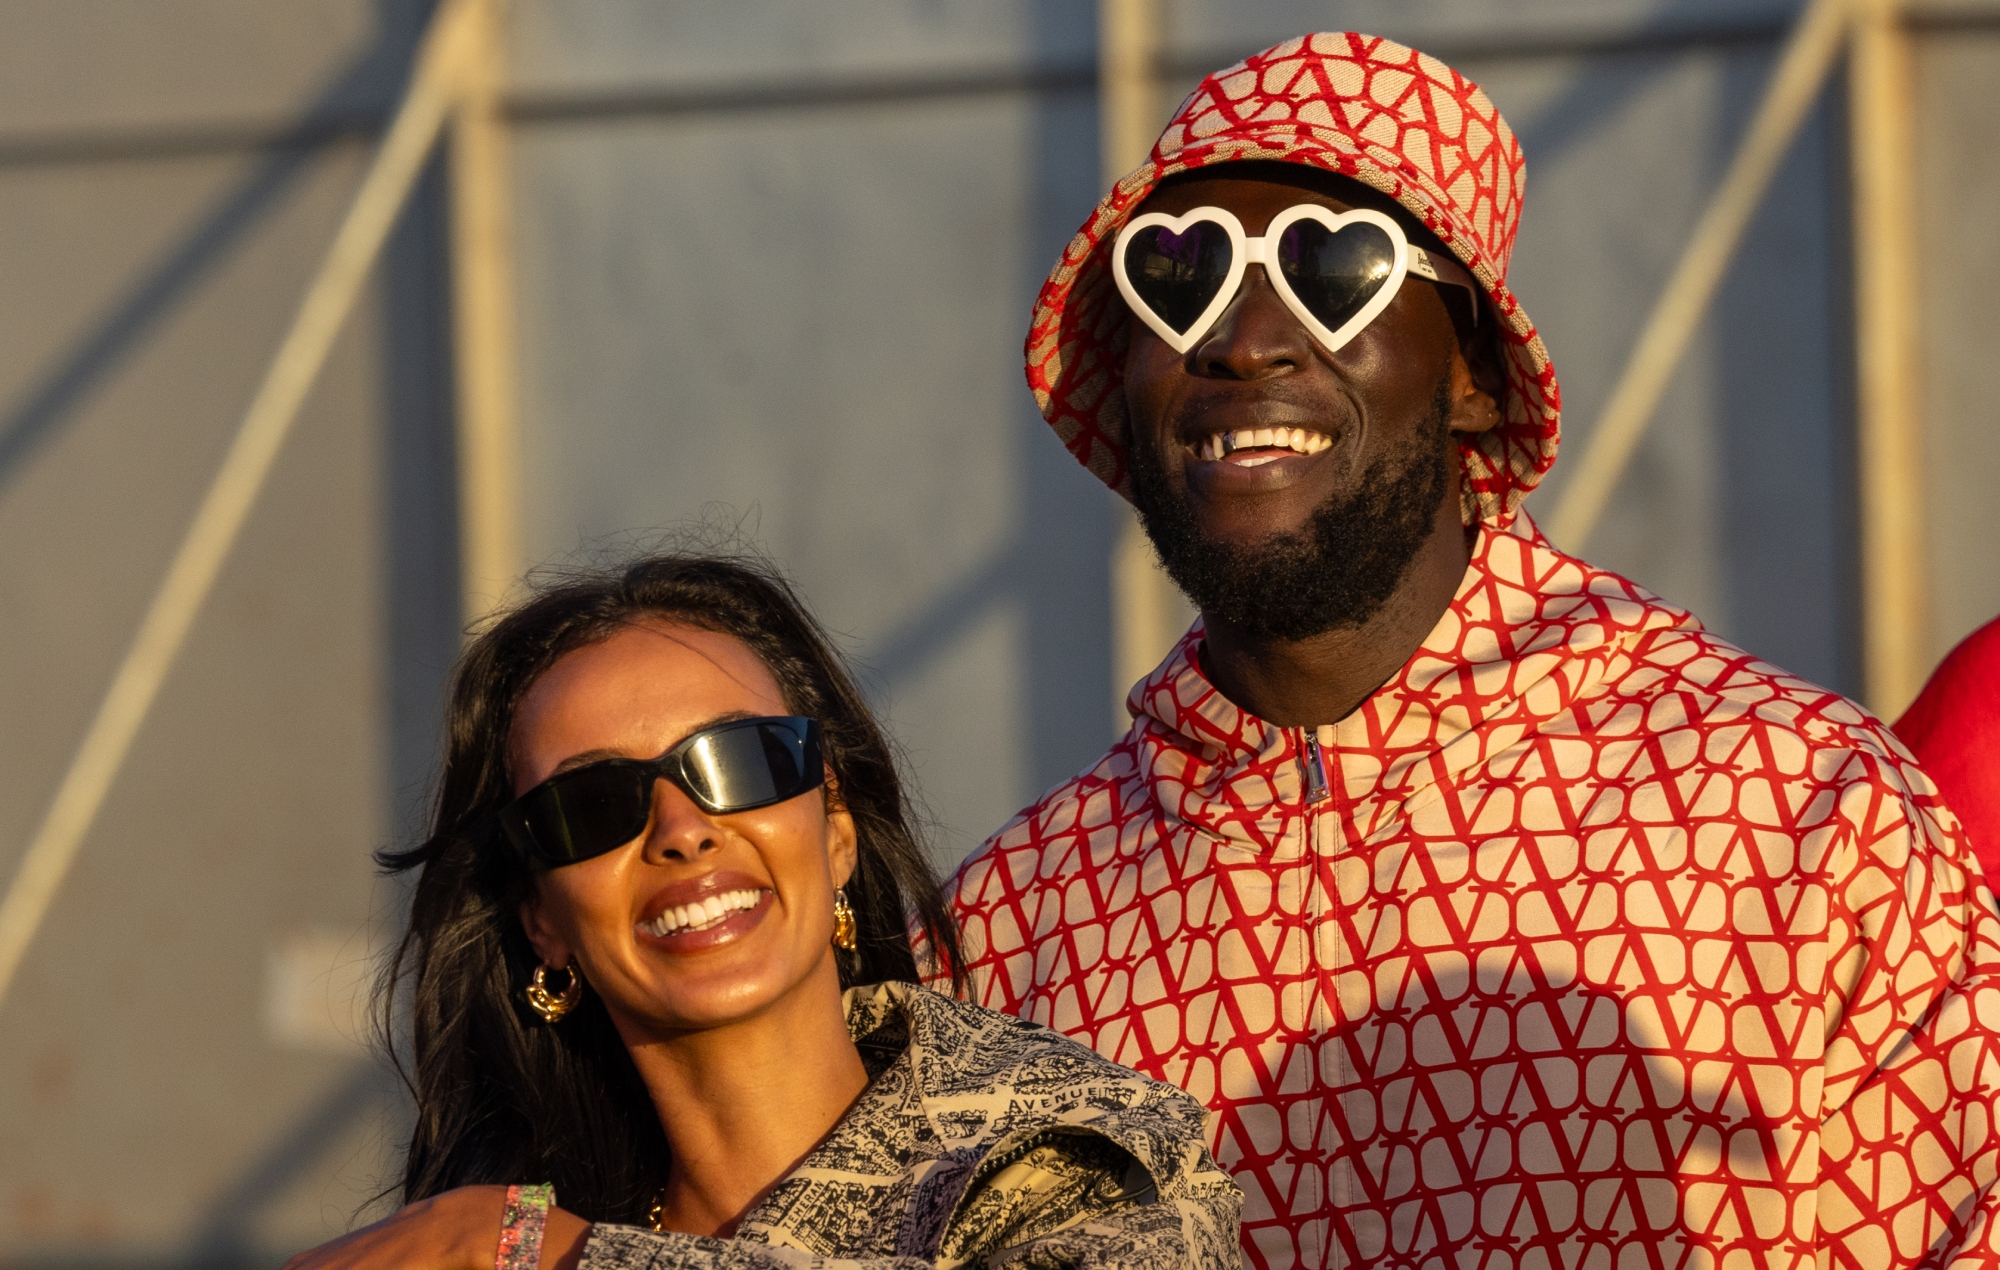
[[656, 1215]]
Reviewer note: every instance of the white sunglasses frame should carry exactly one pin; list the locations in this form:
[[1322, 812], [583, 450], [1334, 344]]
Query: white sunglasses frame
[[1246, 251]]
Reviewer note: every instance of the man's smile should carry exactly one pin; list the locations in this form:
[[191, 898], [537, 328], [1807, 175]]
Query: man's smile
[[1257, 457], [1251, 447]]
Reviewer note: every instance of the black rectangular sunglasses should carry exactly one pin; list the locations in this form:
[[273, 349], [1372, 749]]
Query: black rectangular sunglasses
[[736, 766]]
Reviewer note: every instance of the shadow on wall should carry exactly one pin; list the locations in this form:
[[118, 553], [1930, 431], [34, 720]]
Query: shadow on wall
[[227, 1237]]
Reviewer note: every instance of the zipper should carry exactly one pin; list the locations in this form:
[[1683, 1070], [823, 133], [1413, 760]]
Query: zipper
[[1317, 785], [1316, 1240]]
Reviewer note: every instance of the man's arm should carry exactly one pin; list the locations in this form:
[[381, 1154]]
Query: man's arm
[[1910, 1132]]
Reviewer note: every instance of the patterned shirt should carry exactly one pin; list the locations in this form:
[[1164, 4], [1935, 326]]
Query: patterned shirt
[[1587, 940], [981, 1140]]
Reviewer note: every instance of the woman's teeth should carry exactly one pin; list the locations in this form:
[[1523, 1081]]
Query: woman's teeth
[[701, 914], [1221, 445]]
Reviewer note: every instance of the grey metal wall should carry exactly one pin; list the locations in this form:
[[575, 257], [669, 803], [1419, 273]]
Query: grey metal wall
[[808, 314], [174, 1078], [776, 261], [1957, 168]]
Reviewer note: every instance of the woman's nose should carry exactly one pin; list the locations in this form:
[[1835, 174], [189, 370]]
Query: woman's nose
[[1255, 337], [680, 829]]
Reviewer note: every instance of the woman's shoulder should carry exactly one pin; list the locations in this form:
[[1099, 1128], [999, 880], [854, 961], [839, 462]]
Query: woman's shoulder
[[1008, 1071]]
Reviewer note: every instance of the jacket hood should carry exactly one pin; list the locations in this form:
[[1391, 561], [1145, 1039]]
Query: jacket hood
[[1388, 116]]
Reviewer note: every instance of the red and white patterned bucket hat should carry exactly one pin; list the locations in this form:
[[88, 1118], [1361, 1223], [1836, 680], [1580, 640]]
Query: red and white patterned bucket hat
[[1388, 116]]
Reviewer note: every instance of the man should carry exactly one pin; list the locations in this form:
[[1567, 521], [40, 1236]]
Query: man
[[1501, 915]]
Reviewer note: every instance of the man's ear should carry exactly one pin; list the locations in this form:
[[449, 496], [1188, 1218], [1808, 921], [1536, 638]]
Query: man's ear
[[542, 935], [842, 841], [1477, 386]]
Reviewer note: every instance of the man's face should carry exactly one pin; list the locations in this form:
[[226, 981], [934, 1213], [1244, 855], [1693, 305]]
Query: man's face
[[1281, 542]]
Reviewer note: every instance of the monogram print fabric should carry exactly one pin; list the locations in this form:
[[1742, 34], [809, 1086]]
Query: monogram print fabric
[[1371, 109], [981, 1140], [1606, 945]]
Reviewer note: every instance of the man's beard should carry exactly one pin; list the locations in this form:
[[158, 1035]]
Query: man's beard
[[1336, 572]]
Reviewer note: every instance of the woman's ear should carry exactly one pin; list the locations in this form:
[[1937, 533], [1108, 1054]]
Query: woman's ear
[[548, 944], [842, 841]]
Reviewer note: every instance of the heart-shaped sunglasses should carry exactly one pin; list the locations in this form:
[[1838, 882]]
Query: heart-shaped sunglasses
[[1336, 271]]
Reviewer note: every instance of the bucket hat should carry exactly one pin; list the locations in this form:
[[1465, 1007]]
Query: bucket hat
[[1394, 119]]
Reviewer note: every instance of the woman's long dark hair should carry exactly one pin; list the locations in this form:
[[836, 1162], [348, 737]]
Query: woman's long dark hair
[[502, 1096]]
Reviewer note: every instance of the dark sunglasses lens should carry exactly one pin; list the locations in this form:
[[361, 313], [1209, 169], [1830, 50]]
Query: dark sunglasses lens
[[750, 765], [587, 812], [1178, 274], [1335, 273]]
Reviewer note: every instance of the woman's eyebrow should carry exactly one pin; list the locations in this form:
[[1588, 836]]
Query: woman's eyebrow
[[587, 757]]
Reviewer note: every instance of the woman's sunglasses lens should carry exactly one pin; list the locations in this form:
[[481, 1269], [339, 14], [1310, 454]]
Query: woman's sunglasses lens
[[1177, 275], [588, 812], [743, 767], [1335, 273]]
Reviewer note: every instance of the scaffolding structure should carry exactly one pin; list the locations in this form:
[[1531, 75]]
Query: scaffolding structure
[[458, 92]]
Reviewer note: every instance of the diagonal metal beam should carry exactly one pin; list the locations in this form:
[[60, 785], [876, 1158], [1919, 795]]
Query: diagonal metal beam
[[198, 561], [1808, 57]]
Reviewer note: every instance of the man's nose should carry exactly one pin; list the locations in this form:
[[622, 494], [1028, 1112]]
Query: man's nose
[[680, 830], [1256, 336]]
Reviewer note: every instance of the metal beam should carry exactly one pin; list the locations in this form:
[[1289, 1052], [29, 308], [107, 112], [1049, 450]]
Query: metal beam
[[1147, 612], [1882, 128], [198, 561], [1808, 57], [558, 104], [483, 322]]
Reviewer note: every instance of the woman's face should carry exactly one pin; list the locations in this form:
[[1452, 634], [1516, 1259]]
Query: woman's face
[[636, 695]]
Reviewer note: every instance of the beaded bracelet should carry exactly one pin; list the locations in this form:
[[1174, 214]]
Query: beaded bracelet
[[522, 1221]]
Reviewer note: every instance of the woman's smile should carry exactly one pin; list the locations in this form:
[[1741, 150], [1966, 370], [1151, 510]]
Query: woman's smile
[[697, 914]]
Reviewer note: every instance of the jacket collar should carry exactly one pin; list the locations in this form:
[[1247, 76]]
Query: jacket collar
[[1530, 632], [955, 1093]]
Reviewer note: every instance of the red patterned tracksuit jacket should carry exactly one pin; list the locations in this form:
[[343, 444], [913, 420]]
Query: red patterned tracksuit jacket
[[1588, 940]]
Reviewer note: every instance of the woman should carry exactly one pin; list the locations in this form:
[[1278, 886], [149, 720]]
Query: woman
[[669, 836]]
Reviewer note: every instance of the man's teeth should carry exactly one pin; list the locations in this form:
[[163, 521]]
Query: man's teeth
[[701, 914], [1221, 445]]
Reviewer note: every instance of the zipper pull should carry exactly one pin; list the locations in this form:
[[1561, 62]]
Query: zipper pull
[[1315, 765]]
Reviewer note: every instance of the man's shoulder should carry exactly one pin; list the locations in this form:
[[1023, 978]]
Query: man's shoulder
[[1670, 681], [1699, 703], [1101, 799], [1683, 678]]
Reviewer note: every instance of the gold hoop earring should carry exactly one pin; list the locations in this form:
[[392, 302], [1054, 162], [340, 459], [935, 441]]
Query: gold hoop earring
[[845, 933], [546, 1003]]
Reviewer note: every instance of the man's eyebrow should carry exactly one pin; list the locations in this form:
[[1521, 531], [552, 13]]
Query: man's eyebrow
[[587, 757]]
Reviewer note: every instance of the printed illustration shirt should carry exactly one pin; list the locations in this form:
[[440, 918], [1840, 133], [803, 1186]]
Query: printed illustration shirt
[[981, 1140], [1588, 940]]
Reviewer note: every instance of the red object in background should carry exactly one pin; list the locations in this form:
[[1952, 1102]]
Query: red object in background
[[1954, 729]]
